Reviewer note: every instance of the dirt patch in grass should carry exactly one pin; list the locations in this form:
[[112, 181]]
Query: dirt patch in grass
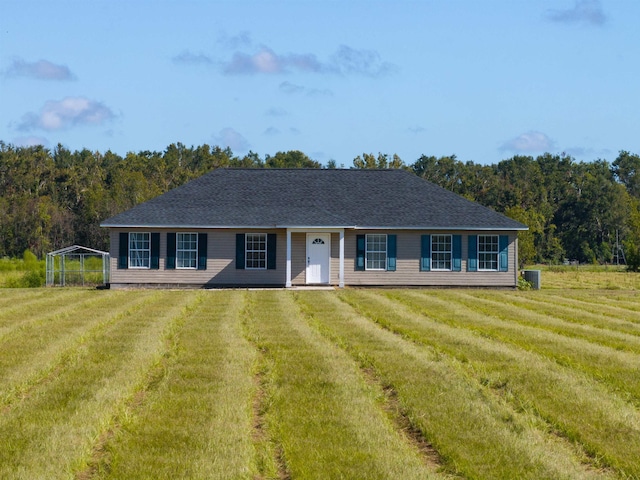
[[411, 433]]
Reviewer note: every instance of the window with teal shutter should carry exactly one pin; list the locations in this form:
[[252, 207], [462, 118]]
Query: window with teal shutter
[[456, 265], [425, 253], [360, 244], [504, 253], [391, 253], [472, 262]]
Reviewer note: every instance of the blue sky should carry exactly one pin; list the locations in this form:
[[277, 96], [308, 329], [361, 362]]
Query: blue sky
[[484, 80]]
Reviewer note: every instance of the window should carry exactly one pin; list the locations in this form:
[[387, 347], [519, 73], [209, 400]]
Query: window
[[441, 252], [139, 250], [186, 250], [256, 251], [488, 249], [376, 252]]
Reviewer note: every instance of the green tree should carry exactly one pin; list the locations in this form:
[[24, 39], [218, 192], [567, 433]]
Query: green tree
[[370, 161], [290, 159], [626, 169]]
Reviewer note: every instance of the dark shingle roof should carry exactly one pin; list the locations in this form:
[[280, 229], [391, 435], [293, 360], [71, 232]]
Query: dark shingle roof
[[311, 198]]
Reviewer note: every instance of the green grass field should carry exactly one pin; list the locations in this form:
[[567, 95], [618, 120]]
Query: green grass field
[[353, 383]]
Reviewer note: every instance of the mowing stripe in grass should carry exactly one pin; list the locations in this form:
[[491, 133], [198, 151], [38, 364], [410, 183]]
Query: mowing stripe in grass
[[579, 407], [611, 305], [595, 326], [320, 411], [10, 297], [47, 346], [477, 434], [269, 460], [625, 300], [617, 369], [197, 422], [21, 314], [51, 433], [594, 280]]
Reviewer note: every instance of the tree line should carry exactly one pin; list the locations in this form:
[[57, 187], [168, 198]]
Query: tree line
[[575, 210]]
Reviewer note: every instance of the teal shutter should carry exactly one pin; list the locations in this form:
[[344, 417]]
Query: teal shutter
[[391, 253], [456, 246], [472, 262], [359, 252], [202, 251], [271, 251], [170, 263], [123, 251], [240, 251], [155, 251], [425, 253], [503, 260]]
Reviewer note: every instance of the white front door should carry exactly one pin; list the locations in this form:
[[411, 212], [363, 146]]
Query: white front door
[[318, 255]]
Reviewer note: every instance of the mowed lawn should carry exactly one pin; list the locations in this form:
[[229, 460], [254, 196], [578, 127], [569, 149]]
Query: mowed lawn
[[348, 384]]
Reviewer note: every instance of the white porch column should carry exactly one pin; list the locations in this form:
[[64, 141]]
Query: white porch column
[[341, 279], [288, 280]]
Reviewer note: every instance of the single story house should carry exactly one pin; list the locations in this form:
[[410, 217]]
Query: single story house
[[294, 227]]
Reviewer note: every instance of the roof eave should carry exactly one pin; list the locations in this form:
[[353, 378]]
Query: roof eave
[[310, 227]]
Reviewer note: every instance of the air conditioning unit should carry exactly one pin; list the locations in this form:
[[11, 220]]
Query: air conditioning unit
[[533, 277]]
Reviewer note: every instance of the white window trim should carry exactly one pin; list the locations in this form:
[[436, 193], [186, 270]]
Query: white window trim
[[246, 251], [496, 253], [366, 252], [129, 249], [450, 252], [187, 250]]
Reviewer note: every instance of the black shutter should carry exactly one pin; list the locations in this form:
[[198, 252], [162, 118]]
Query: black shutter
[[155, 251], [170, 264], [271, 251], [123, 251], [240, 251], [202, 251], [360, 239]]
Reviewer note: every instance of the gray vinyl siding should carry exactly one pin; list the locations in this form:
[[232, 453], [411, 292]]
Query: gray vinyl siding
[[221, 264], [221, 269], [408, 263], [298, 258]]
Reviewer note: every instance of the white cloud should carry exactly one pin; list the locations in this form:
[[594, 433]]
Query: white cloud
[[189, 58], [271, 131], [292, 89], [40, 70], [346, 61], [228, 137], [31, 141], [68, 112], [529, 142], [276, 112], [233, 42], [267, 61], [584, 11]]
